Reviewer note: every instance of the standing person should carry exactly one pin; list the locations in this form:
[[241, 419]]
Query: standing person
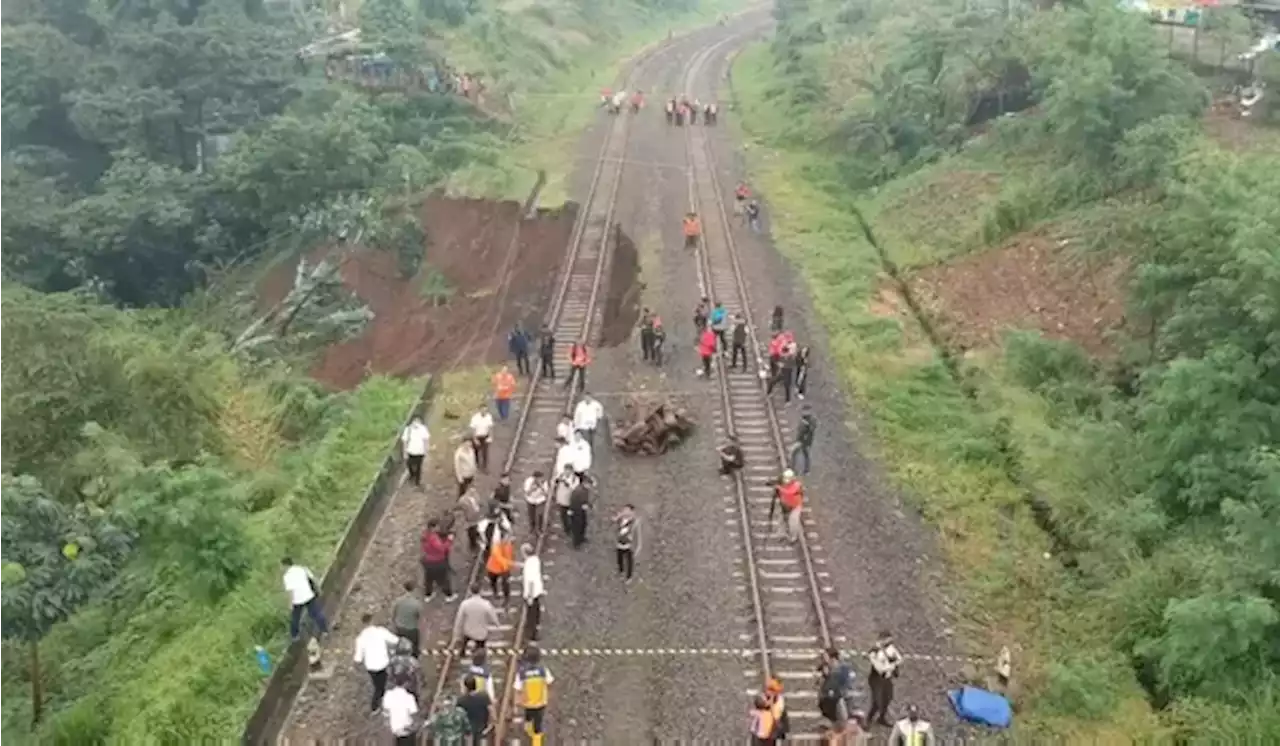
[[504, 387], [536, 492], [518, 345], [789, 493], [580, 456], [692, 226], [532, 587], [763, 725], [885, 660], [776, 344], [405, 670], [628, 542], [659, 341], [436, 546], [476, 703], [501, 498], [579, 504], [476, 617], [731, 457], [775, 321], [373, 651], [547, 352], [778, 706], [498, 566], [586, 417], [579, 358], [481, 435], [646, 334], [479, 668], [300, 584], [563, 489], [719, 320], [464, 465], [700, 314], [564, 430], [802, 371], [533, 682], [804, 440], [415, 439], [472, 515], [494, 527], [706, 350], [401, 707], [912, 730], [739, 339], [753, 216], [837, 680], [449, 725], [740, 197], [406, 617], [786, 372]]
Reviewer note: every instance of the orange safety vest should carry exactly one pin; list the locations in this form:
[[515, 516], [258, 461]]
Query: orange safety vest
[[691, 227], [501, 558], [504, 385], [578, 356], [791, 494]]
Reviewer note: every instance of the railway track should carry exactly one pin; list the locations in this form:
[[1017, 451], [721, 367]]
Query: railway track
[[576, 313], [790, 593]]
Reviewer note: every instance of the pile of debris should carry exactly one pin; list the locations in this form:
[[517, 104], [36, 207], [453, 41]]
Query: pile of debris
[[652, 426]]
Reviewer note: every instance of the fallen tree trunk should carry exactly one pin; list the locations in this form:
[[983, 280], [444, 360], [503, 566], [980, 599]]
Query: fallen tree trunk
[[652, 426]]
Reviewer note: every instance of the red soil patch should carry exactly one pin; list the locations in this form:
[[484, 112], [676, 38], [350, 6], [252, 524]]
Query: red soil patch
[[1034, 281], [1235, 133], [495, 283]]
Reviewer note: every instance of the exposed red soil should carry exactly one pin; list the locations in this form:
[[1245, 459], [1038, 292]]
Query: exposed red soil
[[1235, 133], [1034, 281], [495, 283]]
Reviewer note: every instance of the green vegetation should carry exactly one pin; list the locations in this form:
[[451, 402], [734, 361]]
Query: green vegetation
[[162, 448], [1112, 519]]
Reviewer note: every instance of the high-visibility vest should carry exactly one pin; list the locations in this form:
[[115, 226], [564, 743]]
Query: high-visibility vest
[[533, 686], [578, 356], [791, 494], [504, 385], [691, 227], [501, 558], [762, 726]]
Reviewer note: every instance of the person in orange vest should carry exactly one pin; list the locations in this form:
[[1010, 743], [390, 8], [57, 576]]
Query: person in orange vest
[[789, 493], [504, 387], [763, 726], [707, 349], [498, 566], [579, 358], [692, 231]]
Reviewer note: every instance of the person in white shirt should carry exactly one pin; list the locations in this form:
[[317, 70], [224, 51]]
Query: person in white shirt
[[885, 660], [402, 710], [373, 651], [534, 589], [586, 417], [464, 465], [415, 439], [564, 430], [563, 489], [911, 730], [581, 456], [564, 456], [481, 435], [536, 491], [300, 584]]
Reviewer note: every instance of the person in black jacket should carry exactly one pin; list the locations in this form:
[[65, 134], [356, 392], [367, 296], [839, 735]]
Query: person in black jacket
[[739, 341], [775, 323], [804, 440], [802, 371], [518, 345], [547, 352]]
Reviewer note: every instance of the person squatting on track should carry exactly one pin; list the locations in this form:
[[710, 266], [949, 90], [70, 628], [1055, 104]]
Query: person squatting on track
[[482, 436], [789, 493], [436, 546], [504, 387], [885, 660], [518, 345], [476, 617], [416, 438], [373, 651], [406, 617], [731, 457], [464, 465], [532, 589], [533, 682], [628, 541]]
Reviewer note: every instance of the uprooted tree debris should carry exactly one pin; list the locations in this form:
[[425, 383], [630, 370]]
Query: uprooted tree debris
[[652, 425]]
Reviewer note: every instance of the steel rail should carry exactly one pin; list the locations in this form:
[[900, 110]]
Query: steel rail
[[700, 157]]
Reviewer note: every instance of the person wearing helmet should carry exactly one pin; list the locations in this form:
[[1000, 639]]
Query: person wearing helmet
[[778, 707], [789, 493]]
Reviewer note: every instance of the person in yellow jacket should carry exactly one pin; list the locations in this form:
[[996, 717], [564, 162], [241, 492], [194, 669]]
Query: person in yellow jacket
[[533, 682]]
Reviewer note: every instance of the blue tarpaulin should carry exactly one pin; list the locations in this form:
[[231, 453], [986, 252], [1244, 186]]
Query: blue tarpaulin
[[981, 706]]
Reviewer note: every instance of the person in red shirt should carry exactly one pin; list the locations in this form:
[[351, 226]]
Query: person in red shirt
[[707, 349], [437, 542], [740, 197]]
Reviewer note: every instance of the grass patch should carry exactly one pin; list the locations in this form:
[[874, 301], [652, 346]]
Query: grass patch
[[935, 441]]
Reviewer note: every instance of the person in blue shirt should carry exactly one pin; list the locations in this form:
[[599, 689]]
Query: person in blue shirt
[[719, 320], [518, 344]]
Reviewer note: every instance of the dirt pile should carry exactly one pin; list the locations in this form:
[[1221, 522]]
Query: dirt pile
[[497, 268], [1034, 281]]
